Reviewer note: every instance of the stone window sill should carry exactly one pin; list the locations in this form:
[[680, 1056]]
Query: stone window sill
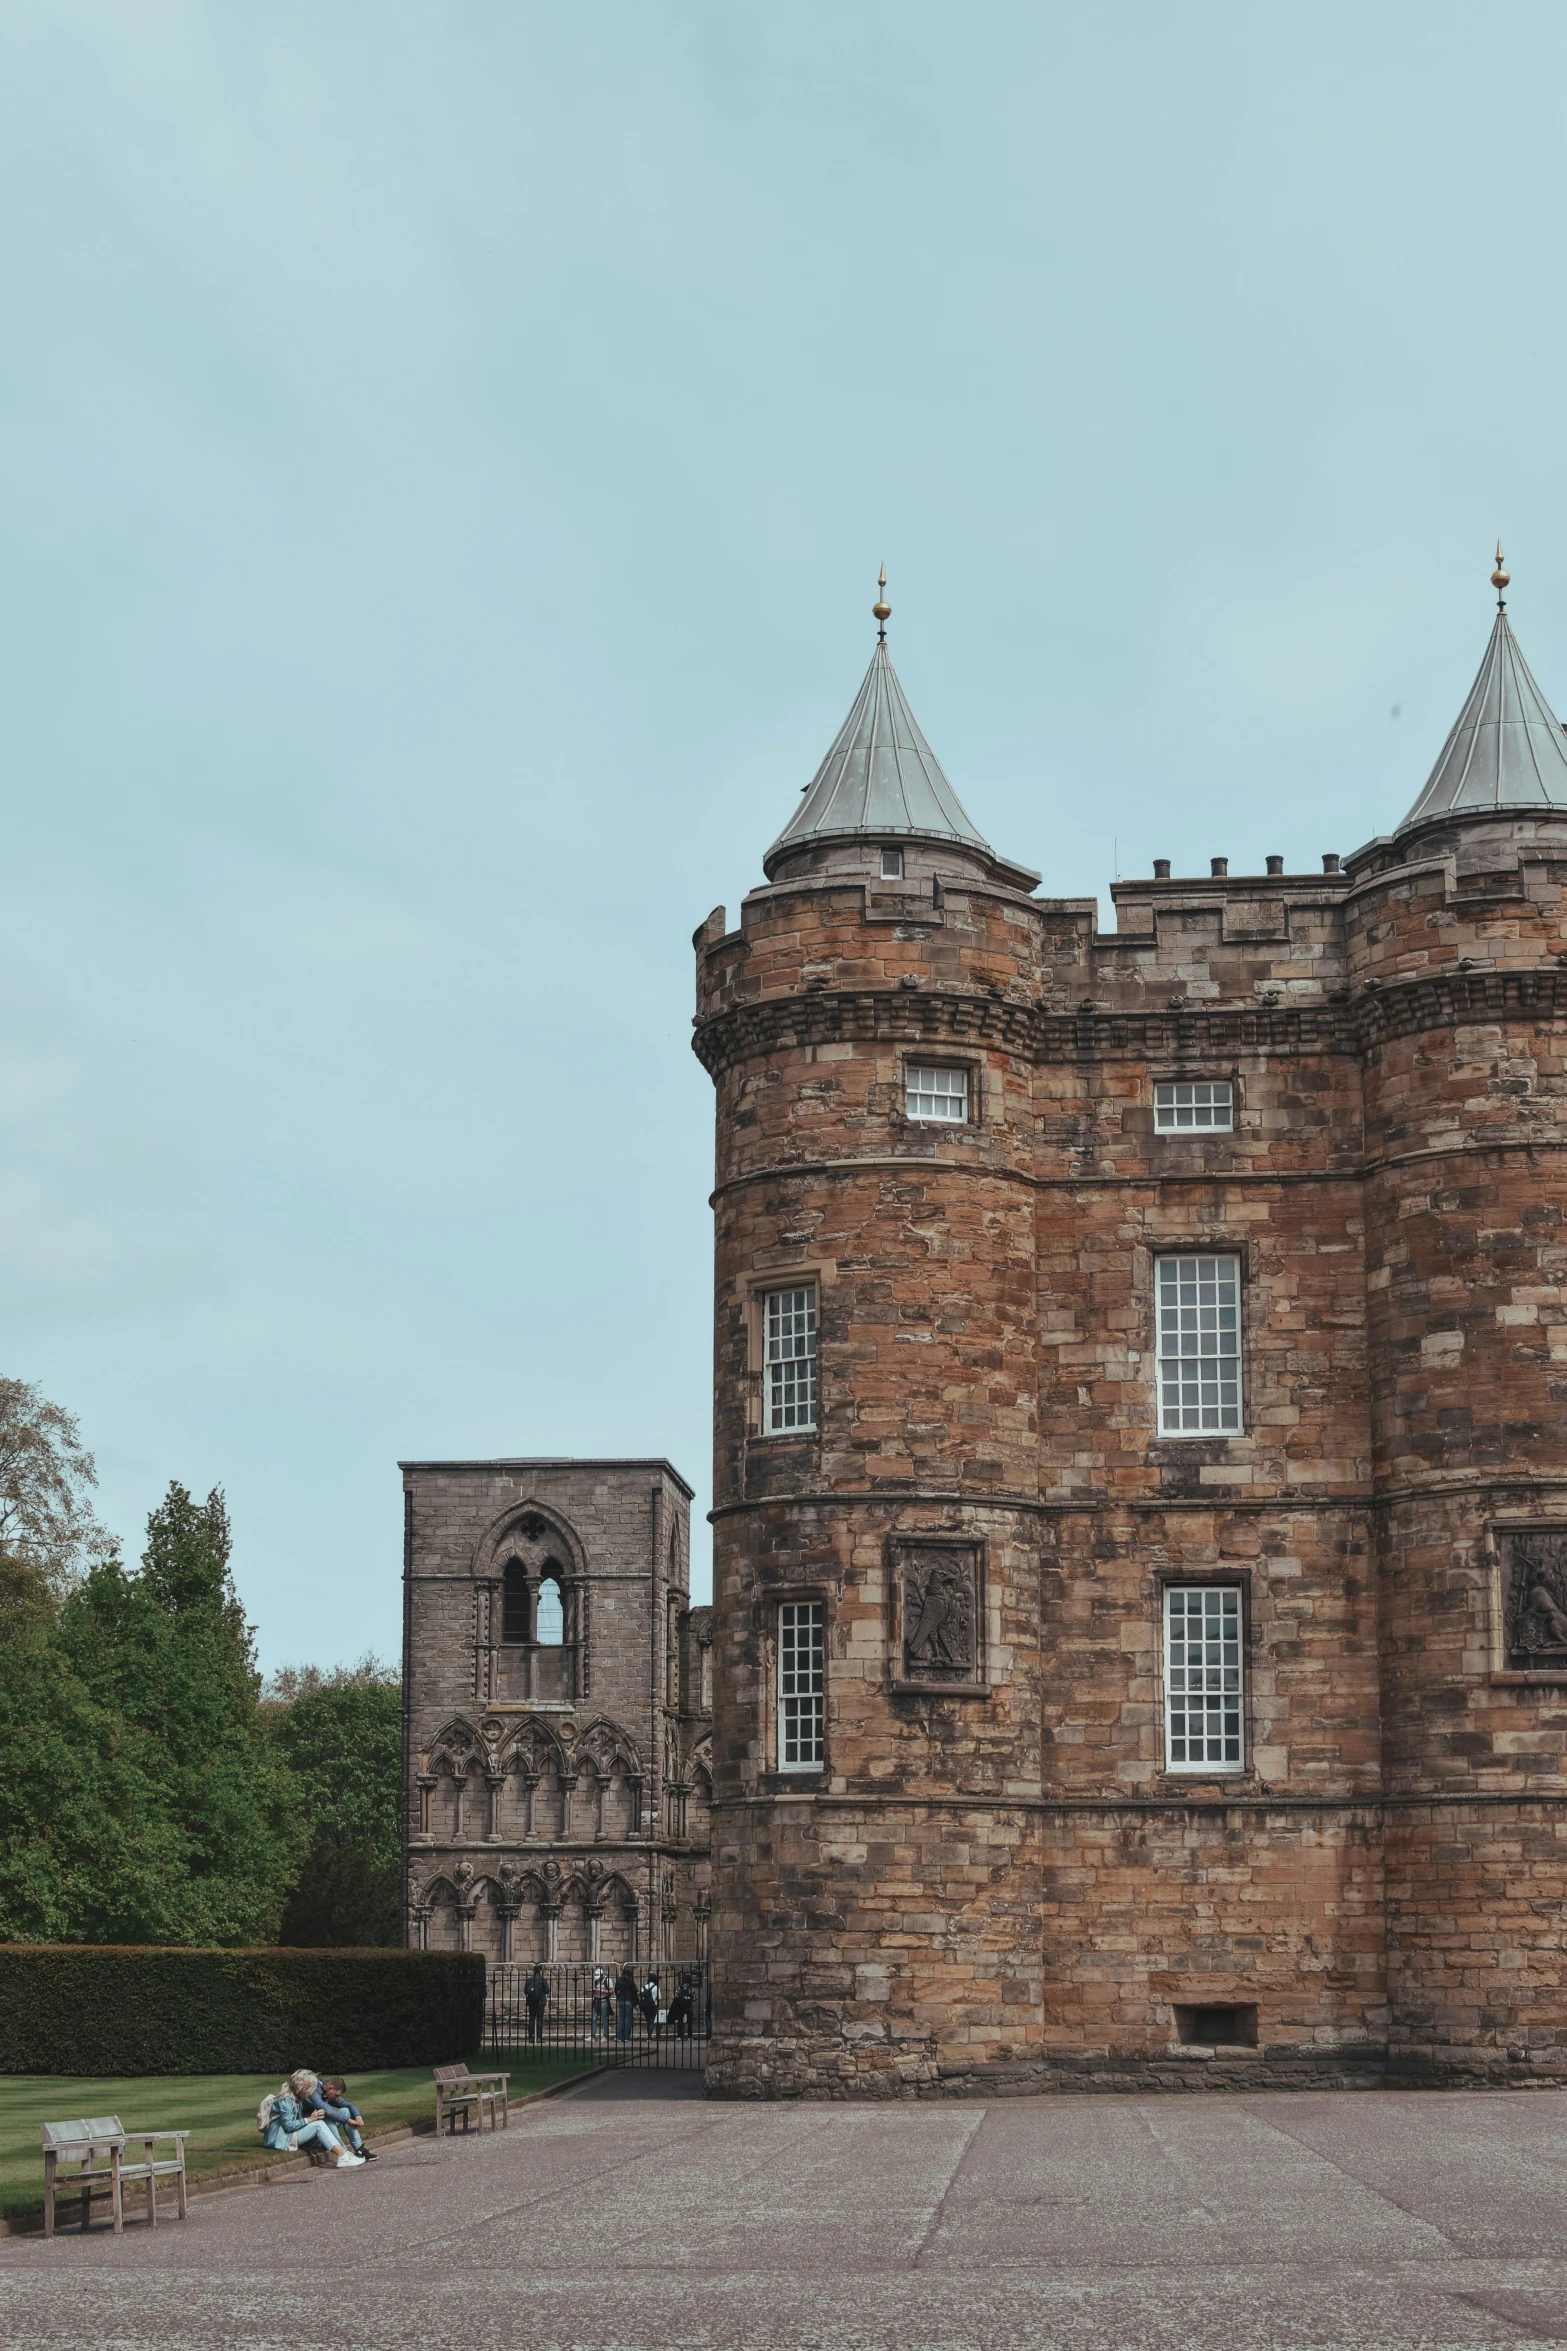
[[1531, 1677], [1207, 1784], [793, 1783]]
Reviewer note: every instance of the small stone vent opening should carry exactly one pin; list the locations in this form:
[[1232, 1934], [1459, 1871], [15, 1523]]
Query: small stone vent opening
[[1217, 2028]]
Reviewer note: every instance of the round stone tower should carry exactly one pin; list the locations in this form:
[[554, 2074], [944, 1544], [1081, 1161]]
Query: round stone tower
[[1457, 955], [1141, 1446], [876, 1455]]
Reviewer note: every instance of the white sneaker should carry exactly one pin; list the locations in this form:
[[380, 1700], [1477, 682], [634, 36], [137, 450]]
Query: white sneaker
[[347, 2162]]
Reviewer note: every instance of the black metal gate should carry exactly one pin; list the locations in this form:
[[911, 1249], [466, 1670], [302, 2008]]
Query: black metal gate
[[581, 2010]]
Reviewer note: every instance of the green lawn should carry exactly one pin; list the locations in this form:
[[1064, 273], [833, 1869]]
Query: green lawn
[[219, 2110]]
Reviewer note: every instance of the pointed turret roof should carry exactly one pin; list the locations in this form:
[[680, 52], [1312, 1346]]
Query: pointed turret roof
[[881, 778], [1507, 749]]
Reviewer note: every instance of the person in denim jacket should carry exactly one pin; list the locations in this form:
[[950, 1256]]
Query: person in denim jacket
[[288, 2127], [329, 2098]]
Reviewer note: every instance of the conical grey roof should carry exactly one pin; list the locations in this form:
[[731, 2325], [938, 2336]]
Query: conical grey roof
[[880, 778], [1506, 751]]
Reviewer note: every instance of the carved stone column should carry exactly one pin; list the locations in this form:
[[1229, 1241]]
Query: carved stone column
[[703, 1914], [494, 1782], [601, 1790], [509, 1912], [552, 1929], [426, 1784]]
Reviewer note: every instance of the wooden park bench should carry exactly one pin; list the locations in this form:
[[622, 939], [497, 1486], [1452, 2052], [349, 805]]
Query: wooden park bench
[[96, 2147], [459, 2091]]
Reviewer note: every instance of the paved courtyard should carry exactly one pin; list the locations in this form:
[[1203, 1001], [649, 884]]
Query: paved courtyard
[[634, 2219]]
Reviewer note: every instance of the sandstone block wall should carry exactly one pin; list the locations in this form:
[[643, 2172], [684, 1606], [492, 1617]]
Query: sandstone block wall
[[1007, 1885]]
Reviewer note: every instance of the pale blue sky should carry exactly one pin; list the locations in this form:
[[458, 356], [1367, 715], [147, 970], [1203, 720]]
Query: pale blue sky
[[445, 453]]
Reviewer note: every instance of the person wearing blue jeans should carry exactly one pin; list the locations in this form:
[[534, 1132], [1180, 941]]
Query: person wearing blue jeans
[[287, 2125], [330, 2098], [625, 2003]]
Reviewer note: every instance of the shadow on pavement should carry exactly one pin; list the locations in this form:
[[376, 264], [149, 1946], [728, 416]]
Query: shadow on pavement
[[642, 2081]]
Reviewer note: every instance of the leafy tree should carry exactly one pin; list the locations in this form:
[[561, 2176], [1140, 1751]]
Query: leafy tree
[[166, 1655], [80, 1841], [46, 1473], [341, 1736]]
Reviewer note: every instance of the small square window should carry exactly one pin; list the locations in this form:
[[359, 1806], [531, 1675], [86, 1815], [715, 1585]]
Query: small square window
[[892, 865], [1207, 1104], [802, 1700], [789, 1362], [936, 1093], [1202, 1678]]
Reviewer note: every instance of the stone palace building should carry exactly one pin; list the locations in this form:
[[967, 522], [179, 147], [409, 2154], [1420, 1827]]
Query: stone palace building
[[1140, 1600]]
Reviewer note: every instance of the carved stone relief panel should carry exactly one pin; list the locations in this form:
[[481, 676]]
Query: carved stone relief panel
[[1534, 1598], [937, 1630]]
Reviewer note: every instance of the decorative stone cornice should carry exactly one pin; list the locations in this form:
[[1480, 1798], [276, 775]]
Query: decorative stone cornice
[[1369, 1017]]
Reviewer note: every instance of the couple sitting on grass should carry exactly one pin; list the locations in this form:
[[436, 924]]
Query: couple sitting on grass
[[308, 2112]]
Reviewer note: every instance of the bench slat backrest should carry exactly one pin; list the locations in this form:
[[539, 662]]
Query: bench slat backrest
[[83, 2137], [449, 2075]]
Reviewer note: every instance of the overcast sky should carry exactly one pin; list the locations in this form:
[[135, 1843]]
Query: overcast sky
[[445, 454]]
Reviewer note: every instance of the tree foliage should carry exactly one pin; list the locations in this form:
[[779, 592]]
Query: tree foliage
[[166, 1653], [152, 1795], [46, 1476], [342, 1739]]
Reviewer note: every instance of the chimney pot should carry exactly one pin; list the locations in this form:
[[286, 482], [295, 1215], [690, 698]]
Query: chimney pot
[[1275, 865], [1330, 861], [1218, 865], [1161, 869]]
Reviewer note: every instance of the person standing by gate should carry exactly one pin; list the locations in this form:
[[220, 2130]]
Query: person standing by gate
[[536, 1993], [602, 2002], [625, 2002], [651, 2005]]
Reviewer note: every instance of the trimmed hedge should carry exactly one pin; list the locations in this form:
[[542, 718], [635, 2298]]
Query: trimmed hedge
[[106, 2009]]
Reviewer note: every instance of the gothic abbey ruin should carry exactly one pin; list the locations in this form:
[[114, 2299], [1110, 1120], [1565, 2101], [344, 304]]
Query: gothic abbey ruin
[[558, 1694]]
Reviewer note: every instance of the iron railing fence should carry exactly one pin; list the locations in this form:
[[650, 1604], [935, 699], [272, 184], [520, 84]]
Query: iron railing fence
[[667, 2024]]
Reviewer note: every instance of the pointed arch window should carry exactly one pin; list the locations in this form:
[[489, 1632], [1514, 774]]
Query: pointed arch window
[[550, 1623], [516, 1613]]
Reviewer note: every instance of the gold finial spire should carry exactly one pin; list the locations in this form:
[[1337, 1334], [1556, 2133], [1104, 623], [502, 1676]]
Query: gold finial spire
[[881, 610], [1499, 579]]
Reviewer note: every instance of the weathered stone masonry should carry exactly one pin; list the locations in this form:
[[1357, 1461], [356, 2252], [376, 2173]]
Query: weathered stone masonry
[[1002, 1885], [558, 1697]]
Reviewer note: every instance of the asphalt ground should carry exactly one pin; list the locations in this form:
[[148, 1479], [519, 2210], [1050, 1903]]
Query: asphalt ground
[[630, 2215]]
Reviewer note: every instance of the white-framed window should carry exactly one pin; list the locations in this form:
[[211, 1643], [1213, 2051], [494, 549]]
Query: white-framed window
[[789, 1361], [1208, 1103], [1203, 1678], [1198, 1304], [892, 865], [936, 1093], [802, 1704]]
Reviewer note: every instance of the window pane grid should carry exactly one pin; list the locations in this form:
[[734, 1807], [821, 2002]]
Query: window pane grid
[[789, 1361], [1202, 1677], [1206, 1103], [801, 1697], [937, 1093], [1199, 1309]]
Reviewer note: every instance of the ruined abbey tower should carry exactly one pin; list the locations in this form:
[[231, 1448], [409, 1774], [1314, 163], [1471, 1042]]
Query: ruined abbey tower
[[1140, 1627]]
